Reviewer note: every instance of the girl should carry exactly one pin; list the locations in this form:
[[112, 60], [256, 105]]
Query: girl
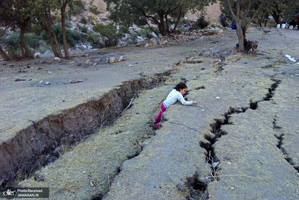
[[176, 94]]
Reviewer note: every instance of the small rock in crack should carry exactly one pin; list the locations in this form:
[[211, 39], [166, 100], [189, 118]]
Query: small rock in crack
[[181, 187], [137, 112], [19, 79], [117, 132], [39, 178]]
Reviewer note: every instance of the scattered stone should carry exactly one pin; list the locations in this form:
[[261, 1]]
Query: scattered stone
[[57, 59], [83, 172], [232, 188], [79, 63], [217, 97], [130, 65], [50, 72], [163, 42], [48, 83], [121, 58], [146, 45], [41, 82], [39, 68], [229, 163], [88, 62], [112, 60], [154, 35], [154, 41], [91, 183], [137, 112], [37, 55], [77, 81]]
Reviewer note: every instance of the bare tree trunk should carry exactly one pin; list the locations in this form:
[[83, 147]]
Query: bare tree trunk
[[276, 17], [63, 10], [241, 39], [161, 25], [3, 54], [177, 21], [46, 29], [24, 47]]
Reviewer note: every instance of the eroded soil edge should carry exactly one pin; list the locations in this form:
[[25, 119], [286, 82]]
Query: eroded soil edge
[[45, 140]]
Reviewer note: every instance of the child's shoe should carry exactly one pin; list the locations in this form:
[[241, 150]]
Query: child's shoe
[[158, 126]]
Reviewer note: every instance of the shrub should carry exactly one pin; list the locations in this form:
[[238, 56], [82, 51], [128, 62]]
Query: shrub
[[109, 34], [77, 8], [73, 37], [2, 32], [132, 39], [222, 19], [13, 43], [83, 29], [201, 23], [147, 31], [91, 20], [123, 29], [83, 20], [94, 40], [93, 8]]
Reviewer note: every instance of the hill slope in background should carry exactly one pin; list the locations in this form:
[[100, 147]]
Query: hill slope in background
[[212, 12]]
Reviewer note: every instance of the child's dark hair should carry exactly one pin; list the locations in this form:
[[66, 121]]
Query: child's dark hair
[[180, 86]]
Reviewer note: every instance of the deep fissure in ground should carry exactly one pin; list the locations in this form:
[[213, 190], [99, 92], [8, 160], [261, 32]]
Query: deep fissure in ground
[[217, 133], [45, 140]]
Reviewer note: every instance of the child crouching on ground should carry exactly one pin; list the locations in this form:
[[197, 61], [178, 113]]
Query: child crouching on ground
[[176, 94]]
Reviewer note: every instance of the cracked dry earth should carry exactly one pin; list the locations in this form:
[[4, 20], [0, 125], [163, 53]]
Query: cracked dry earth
[[240, 142]]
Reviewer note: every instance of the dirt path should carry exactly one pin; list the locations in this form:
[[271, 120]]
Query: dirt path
[[239, 131]]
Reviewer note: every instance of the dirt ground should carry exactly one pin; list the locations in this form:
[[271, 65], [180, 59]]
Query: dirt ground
[[241, 138]]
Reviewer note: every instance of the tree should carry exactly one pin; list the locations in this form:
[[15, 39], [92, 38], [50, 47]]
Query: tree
[[142, 12], [18, 12], [4, 18], [242, 15], [45, 19]]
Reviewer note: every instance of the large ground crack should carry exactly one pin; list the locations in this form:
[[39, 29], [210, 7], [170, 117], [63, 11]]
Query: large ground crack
[[217, 133], [45, 140]]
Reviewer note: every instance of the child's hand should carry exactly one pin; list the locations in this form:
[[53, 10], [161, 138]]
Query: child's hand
[[195, 102]]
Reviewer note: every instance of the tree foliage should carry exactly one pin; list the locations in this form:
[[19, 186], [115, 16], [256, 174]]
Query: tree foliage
[[285, 10], [158, 12]]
